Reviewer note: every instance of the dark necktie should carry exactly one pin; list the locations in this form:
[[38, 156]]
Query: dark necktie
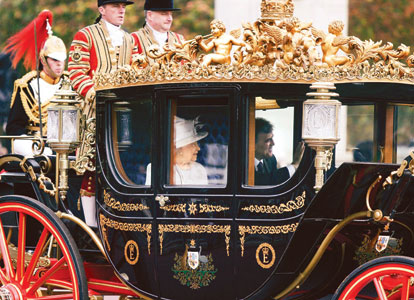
[[260, 168]]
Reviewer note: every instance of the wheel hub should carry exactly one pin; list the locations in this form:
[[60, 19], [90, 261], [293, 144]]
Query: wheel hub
[[5, 294], [10, 292]]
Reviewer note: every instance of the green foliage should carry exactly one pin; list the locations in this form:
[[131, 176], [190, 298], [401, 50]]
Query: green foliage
[[72, 15], [386, 20]]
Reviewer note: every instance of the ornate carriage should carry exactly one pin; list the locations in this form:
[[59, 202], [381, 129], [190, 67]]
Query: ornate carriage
[[340, 225]]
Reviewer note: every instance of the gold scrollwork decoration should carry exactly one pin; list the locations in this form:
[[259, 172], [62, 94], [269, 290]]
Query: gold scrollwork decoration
[[38, 145], [86, 154], [174, 207], [134, 227], [193, 209], [45, 164], [193, 228], [207, 208], [268, 230], [289, 206], [117, 205]]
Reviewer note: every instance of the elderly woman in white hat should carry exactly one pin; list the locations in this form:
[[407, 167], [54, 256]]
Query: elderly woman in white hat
[[187, 171]]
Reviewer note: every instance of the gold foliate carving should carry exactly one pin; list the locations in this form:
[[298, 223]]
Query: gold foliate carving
[[209, 229], [207, 208], [275, 230], [277, 47], [175, 207], [122, 226], [86, 154], [290, 206], [194, 208], [116, 205]]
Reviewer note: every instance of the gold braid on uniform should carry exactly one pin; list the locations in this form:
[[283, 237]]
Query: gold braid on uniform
[[30, 103]]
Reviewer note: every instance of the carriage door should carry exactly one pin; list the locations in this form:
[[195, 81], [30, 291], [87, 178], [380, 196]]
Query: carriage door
[[195, 191]]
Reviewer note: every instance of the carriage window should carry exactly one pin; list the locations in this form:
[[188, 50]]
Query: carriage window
[[199, 139], [357, 133], [404, 134], [272, 158], [131, 134]]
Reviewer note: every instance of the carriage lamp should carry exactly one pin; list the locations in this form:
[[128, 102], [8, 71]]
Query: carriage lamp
[[124, 131], [63, 134], [320, 126]]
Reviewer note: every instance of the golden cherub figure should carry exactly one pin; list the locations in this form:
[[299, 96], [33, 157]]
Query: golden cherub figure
[[332, 42], [221, 42]]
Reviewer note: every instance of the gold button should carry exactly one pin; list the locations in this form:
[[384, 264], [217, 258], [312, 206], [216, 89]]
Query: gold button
[[90, 178], [89, 187]]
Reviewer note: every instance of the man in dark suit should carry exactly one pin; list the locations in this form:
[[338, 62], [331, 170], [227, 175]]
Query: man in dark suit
[[266, 170]]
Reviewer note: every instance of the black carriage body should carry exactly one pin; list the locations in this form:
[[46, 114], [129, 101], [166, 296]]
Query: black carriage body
[[250, 241]]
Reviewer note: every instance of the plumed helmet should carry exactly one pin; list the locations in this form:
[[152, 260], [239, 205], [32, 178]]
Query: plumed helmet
[[36, 38], [54, 48], [160, 5], [102, 2]]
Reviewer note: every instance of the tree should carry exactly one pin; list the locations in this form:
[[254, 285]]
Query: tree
[[386, 20]]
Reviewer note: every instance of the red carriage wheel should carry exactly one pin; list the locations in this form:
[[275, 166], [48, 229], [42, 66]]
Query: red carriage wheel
[[385, 278], [40, 260]]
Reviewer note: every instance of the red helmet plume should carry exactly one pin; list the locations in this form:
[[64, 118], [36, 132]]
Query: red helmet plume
[[23, 43]]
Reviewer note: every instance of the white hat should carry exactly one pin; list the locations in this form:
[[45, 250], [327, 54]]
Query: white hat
[[186, 132]]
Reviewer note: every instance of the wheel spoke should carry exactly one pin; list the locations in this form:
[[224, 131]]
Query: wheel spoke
[[380, 289], [405, 289], [35, 258], [5, 253], [46, 276], [21, 247], [3, 277], [36, 275]]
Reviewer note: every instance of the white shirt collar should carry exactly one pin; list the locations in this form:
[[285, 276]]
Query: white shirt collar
[[115, 33], [256, 162], [160, 37]]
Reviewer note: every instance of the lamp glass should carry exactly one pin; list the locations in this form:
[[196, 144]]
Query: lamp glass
[[320, 121], [70, 127], [53, 124]]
